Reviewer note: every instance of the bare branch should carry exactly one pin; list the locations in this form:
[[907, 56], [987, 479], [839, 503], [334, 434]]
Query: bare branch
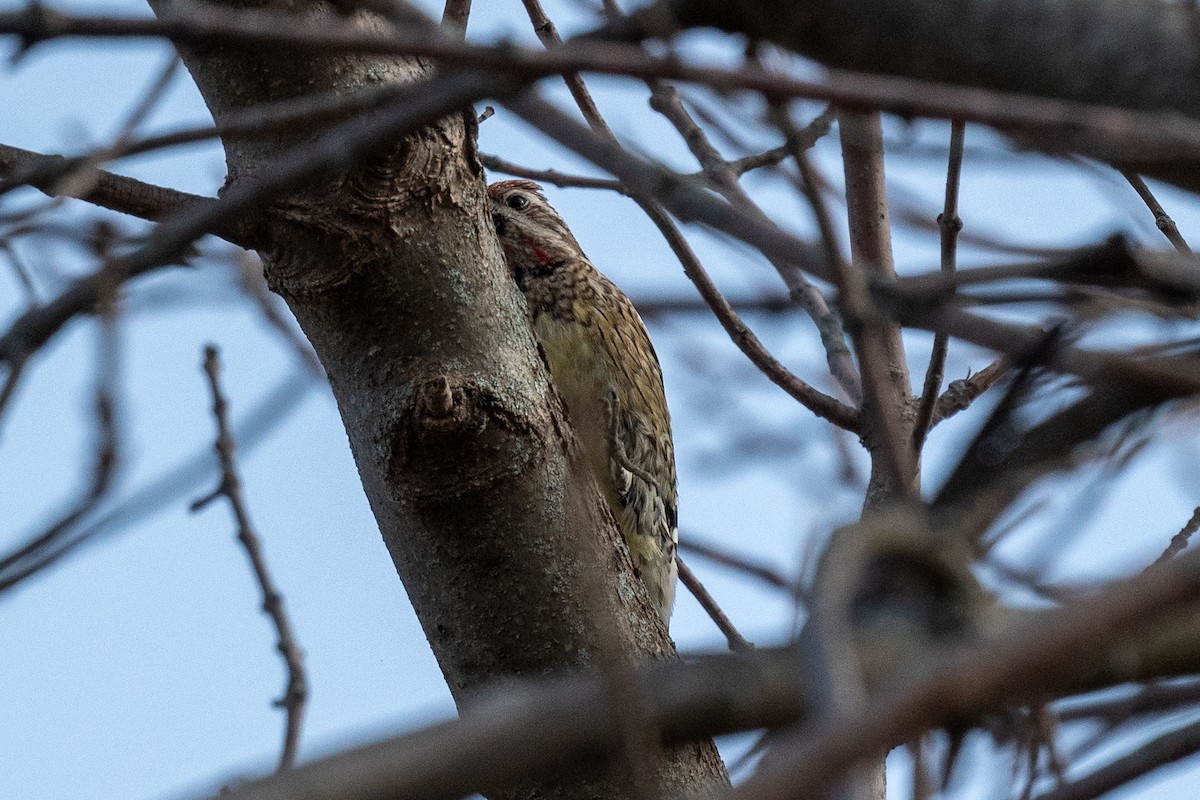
[[665, 100], [165, 490], [737, 642], [21, 562], [886, 390], [108, 190], [551, 176]]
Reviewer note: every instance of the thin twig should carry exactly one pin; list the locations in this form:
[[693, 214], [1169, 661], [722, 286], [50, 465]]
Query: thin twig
[[829, 323], [24, 276], [803, 139], [949, 225], [1180, 540], [295, 694], [821, 404], [551, 176], [1161, 219], [548, 35], [737, 642]]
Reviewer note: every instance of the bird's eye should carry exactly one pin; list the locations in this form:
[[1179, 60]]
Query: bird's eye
[[517, 202]]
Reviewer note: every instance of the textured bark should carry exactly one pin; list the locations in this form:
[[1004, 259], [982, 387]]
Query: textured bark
[[394, 273]]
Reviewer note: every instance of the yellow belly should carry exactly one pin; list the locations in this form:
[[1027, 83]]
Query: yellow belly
[[584, 375]]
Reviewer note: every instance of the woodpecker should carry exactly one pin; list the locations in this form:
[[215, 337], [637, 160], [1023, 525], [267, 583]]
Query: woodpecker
[[601, 359]]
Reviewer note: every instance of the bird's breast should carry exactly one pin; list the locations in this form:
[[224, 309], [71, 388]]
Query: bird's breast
[[581, 371]]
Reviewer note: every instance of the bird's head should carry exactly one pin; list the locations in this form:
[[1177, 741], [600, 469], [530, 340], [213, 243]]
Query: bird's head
[[535, 239]]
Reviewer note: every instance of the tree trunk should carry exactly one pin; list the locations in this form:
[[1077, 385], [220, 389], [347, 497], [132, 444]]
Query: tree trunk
[[392, 269]]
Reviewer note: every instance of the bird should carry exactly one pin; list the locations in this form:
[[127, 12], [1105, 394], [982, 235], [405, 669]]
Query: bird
[[603, 364]]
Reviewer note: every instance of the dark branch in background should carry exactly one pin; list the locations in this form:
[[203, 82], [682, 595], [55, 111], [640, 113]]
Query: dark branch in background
[[532, 727], [1018, 665], [1084, 51], [1007, 456], [1161, 219], [295, 695], [950, 225]]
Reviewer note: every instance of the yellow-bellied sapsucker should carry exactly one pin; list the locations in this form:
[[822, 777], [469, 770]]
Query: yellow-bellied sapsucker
[[603, 364]]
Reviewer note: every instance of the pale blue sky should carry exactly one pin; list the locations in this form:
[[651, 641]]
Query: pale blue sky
[[141, 668]]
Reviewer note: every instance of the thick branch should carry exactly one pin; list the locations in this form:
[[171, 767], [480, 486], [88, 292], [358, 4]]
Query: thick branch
[[108, 190], [1134, 53]]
